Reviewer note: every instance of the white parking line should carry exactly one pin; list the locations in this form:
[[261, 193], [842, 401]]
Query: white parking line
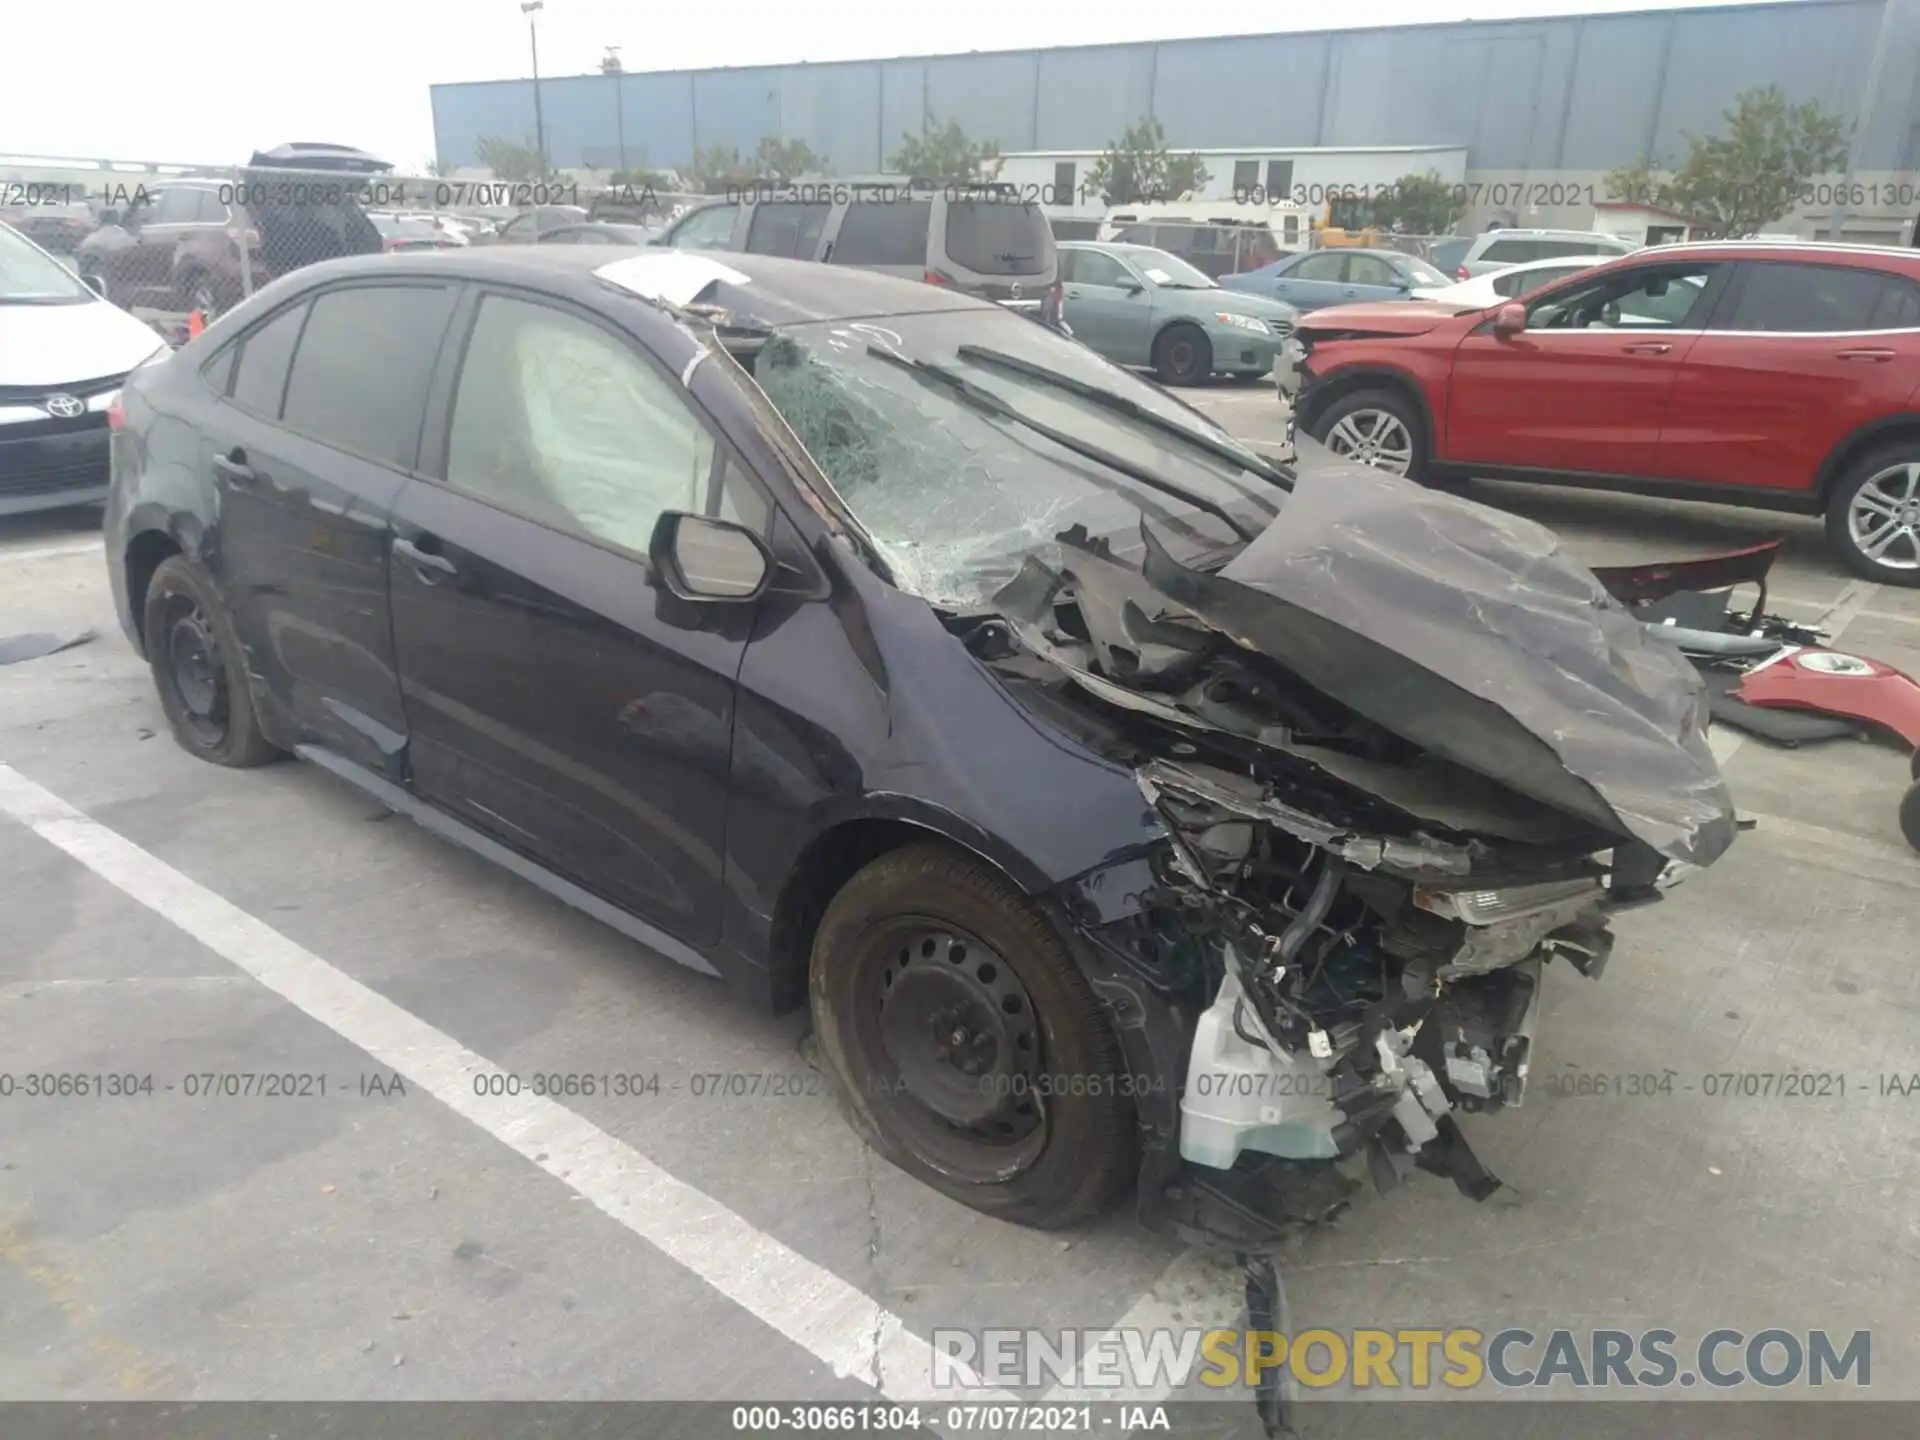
[[843, 1327]]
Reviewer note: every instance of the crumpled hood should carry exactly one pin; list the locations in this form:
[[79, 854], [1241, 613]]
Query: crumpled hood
[[1473, 634]]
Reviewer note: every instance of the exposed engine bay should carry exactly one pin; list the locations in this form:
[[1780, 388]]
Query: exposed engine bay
[[1368, 916]]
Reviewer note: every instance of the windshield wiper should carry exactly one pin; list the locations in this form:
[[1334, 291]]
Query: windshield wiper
[[1133, 410], [989, 403]]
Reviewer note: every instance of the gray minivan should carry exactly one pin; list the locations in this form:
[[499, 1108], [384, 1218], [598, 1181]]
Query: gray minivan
[[981, 239]]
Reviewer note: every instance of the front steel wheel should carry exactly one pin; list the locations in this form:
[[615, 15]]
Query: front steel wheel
[[965, 1044]]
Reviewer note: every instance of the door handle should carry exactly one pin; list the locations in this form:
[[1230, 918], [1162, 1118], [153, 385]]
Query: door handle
[[1073, 295], [234, 466], [1872, 355], [1647, 347], [428, 563]]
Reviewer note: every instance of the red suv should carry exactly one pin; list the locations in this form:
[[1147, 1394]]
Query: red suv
[[1775, 375]]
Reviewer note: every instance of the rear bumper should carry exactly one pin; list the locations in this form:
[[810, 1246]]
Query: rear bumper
[[48, 471]]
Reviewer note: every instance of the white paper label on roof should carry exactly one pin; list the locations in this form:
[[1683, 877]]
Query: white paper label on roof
[[675, 278]]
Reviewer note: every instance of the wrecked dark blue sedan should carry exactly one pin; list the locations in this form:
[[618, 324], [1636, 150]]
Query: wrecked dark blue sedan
[[1134, 813]]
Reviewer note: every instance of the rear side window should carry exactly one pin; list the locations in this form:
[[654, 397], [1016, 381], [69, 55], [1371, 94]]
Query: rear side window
[[994, 237], [1448, 254], [788, 228], [1327, 265], [261, 377], [883, 232], [1806, 299], [1370, 270], [1554, 249], [1513, 252], [359, 379]]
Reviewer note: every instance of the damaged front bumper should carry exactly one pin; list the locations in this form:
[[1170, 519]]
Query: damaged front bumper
[[1405, 754], [1330, 1031]]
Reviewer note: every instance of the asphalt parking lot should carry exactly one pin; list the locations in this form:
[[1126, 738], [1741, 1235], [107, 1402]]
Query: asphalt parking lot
[[400, 1237]]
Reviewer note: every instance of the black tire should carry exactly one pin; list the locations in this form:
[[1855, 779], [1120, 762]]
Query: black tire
[[1069, 1154], [1363, 408], [1910, 815], [1847, 514], [208, 704], [1182, 355]]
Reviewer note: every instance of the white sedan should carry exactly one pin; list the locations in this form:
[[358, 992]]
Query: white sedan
[[1511, 283]]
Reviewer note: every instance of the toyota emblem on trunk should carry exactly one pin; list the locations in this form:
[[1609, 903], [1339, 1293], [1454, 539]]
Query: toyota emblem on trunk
[[64, 407], [1015, 292]]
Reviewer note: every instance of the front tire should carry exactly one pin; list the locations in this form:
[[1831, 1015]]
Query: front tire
[[1183, 355], [1910, 815], [200, 670], [965, 1045], [1873, 515], [1375, 427]]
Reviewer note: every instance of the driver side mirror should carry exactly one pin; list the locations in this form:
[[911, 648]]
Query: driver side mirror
[[1131, 287], [1509, 320], [96, 283], [698, 558]]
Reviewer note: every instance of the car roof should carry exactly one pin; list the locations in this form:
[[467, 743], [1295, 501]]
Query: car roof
[[1804, 250], [1513, 233], [1552, 262], [777, 292]]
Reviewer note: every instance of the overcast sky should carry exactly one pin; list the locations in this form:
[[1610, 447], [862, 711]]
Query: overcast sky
[[208, 81]]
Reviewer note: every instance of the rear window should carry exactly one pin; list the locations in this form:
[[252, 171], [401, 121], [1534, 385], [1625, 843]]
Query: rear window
[[787, 228], [995, 237], [1447, 254], [1514, 252], [883, 232]]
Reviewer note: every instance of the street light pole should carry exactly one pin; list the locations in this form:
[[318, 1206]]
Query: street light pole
[[612, 66], [1863, 117], [530, 8]]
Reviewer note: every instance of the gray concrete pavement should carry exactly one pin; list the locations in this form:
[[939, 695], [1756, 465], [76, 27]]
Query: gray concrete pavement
[[370, 1245]]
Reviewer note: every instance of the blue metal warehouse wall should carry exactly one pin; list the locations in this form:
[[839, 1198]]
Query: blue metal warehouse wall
[[1571, 93]]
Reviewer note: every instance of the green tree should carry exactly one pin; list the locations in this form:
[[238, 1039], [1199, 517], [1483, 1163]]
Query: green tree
[[717, 168], [1422, 204], [510, 161], [1639, 184], [1738, 182], [638, 180], [946, 156], [1138, 166], [779, 159]]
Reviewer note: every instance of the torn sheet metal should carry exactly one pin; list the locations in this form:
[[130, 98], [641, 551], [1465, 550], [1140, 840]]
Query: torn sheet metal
[[674, 276], [1473, 634], [1205, 783]]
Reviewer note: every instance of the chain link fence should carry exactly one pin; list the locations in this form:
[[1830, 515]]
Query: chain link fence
[[166, 247]]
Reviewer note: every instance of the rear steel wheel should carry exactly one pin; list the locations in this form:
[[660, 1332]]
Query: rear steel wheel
[[199, 669]]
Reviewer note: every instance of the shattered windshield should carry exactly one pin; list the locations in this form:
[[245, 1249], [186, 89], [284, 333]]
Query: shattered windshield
[[960, 464]]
